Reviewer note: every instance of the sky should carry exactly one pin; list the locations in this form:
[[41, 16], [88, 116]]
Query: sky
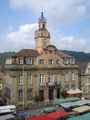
[[68, 22]]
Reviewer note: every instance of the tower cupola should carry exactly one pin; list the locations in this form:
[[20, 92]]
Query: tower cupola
[[42, 36]]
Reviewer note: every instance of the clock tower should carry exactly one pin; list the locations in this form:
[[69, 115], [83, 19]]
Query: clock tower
[[42, 36]]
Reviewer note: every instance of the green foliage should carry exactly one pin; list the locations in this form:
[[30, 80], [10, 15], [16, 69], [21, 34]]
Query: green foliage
[[79, 56], [36, 98], [64, 94], [4, 55]]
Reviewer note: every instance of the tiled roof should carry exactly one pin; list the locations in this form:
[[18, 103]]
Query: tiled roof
[[26, 53], [0, 75]]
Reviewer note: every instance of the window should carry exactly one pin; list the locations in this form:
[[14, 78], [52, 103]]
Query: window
[[20, 60], [73, 87], [50, 61], [45, 43], [58, 78], [29, 94], [29, 77], [72, 76], [88, 87], [66, 61], [41, 61], [66, 77], [66, 87], [0, 80], [50, 78], [72, 61], [36, 43], [29, 61], [88, 70], [42, 79], [57, 61], [20, 95], [20, 81], [88, 80]]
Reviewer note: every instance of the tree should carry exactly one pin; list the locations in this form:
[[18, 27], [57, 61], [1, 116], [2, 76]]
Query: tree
[[64, 94]]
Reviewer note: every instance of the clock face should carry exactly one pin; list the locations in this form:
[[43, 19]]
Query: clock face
[[40, 33]]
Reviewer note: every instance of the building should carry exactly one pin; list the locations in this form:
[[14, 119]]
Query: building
[[44, 71], [84, 77]]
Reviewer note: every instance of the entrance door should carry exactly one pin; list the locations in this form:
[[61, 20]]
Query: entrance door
[[50, 94], [58, 92], [41, 95]]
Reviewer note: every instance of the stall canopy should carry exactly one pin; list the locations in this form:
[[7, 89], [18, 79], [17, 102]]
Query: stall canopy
[[81, 109], [68, 99], [7, 117], [49, 109], [51, 116], [57, 114], [82, 117], [40, 118], [72, 104]]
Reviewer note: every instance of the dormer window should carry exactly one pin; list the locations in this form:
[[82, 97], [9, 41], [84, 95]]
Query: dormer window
[[50, 61], [20, 60], [45, 43], [29, 61]]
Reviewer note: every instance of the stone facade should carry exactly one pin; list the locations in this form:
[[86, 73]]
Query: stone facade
[[44, 71]]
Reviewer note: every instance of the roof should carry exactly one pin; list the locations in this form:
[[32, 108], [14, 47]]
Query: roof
[[40, 118], [26, 53], [68, 99], [58, 114], [81, 117], [82, 67], [49, 109], [63, 54], [81, 109], [7, 117], [0, 75], [78, 103]]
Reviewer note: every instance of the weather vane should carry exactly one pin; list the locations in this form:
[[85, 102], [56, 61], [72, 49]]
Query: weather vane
[[42, 8]]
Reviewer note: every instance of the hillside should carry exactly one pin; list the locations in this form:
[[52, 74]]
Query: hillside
[[79, 56]]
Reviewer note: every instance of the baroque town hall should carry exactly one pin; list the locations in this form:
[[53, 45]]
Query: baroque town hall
[[44, 71]]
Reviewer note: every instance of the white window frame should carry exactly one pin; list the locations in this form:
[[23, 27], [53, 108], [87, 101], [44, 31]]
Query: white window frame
[[72, 76], [42, 78], [29, 94], [41, 61], [20, 95], [29, 61], [73, 87], [50, 78], [29, 78], [58, 78], [50, 61], [66, 76], [57, 61], [67, 87], [20, 60], [20, 79]]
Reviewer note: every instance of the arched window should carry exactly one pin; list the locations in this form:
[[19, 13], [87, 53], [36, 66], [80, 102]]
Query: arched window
[[36, 43], [45, 43]]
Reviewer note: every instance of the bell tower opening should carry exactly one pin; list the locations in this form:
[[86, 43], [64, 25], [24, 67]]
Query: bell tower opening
[[42, 36]]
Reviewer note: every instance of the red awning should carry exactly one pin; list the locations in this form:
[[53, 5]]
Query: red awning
[[50, 116], [57, 114], [40, 118]]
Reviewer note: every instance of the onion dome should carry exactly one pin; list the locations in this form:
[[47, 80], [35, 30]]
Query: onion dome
[[42, 18]]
